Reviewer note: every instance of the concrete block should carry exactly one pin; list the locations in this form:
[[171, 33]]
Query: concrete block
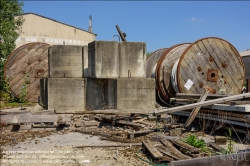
[[136, 93], [100, 94], [132, 59], [65, 61], [66, 95], [103, 59]]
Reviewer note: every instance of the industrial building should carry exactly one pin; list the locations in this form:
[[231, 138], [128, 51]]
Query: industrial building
[[37, 28]]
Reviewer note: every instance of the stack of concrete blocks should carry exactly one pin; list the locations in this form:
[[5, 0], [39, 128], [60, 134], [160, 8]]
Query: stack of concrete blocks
[[66, 85], [117, 77]]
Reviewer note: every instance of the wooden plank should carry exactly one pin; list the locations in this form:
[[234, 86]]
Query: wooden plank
[[109, 145], [174, 151], [168, 152], [241, 159], [142, 132], [186, 146], [197, 96], [197, 109], [156, 154], [216, 147], [205, 103], [123, 122]]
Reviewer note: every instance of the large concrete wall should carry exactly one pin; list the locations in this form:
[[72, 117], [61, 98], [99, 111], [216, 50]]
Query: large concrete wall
[[66, 95], [65, 61], [37, 28]]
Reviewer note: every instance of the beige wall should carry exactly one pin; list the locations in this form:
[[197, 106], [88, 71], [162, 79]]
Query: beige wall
[[39, 29]]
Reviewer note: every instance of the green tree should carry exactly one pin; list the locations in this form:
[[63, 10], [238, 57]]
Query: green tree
[[10, 27]]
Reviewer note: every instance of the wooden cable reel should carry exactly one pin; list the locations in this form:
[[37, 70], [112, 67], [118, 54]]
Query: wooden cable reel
[[209, 62], [24, 68]]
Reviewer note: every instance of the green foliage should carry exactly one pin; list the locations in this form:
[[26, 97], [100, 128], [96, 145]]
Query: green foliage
[[9, 30], [230, 145], [195, 142]]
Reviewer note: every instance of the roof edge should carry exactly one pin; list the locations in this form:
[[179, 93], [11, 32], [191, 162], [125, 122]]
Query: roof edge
[[56, 21]]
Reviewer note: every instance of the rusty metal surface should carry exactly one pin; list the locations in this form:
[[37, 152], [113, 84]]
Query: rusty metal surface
[[164, 68], [24, 68], [198, 63]]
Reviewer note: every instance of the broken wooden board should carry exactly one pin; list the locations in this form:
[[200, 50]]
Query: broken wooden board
[[147, 145], [216, 147], [123, 122], [109, 145], [241, 159], [138, 133], [174, 151], [168, 152], [186, 146], [197, 96], [202, 104], [197, 109]]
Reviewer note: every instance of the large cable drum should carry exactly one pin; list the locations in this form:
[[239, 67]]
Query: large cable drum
[[189, 67], [152, 62], [210, 62], [164, 69], [24, 68]]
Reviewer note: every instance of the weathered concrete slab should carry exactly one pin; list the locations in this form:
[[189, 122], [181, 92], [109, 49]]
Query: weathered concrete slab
[[65, 61], [110, 59], [136, 93], [66, 95], [100, 94], [85, 61], [132, 59], [103, 59]]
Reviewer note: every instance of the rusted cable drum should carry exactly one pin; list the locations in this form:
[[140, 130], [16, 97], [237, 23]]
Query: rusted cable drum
[[152, 61], [24, 68], [164, 69], [211, 62]]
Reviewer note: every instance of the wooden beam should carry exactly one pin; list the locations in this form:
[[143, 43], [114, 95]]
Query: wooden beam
[[156, 154], [197, 96], [197, 109], [205, 103], [109, 145]]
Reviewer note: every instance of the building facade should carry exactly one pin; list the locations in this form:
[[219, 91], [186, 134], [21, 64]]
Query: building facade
[[37, 28]]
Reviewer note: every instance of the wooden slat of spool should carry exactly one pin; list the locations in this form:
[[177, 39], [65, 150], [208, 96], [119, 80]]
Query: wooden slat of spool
[[152, 60], [25, 66], [164, 68], [211, 53]]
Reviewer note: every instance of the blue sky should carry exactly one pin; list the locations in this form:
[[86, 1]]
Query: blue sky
[[160, 24]]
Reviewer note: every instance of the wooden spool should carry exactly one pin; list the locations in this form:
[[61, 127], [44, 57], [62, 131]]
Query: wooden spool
[[211, 62], [152, 61], [164, 68], [24, 68]]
